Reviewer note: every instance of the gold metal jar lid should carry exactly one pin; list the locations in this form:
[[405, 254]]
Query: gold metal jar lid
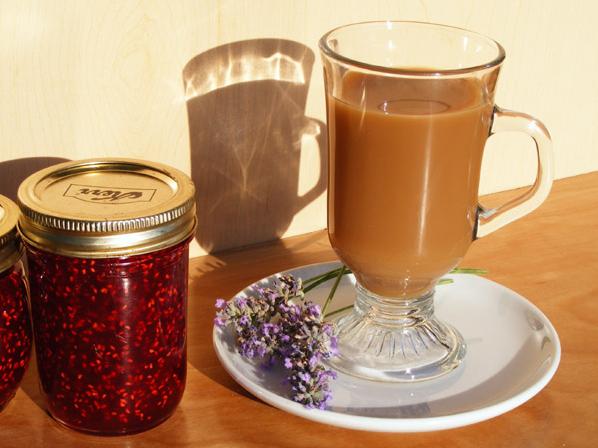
[[101, 208], [10, 243]]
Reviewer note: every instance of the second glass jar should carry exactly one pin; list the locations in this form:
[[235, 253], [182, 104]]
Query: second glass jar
[[15, 327]]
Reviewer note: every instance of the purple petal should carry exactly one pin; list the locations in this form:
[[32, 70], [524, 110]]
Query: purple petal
[[219, 322]]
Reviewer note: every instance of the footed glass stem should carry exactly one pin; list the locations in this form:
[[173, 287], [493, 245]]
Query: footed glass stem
[[400, 340]]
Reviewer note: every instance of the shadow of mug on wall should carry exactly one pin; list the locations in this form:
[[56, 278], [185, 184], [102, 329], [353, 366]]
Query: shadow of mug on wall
[[246, 110], [13, 172]]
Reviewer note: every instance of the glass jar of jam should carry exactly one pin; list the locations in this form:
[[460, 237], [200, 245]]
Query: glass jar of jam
[[15, 327], [107, 245]]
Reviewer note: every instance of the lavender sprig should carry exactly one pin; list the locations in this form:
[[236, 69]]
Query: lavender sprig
[[280, 325]]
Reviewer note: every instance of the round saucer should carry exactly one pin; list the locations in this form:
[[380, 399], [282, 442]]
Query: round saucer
[[512, 353]]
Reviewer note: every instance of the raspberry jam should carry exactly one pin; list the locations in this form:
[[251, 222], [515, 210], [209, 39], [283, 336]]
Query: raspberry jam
[[111, 337], [107, 245], [15, 332], [15, 327]]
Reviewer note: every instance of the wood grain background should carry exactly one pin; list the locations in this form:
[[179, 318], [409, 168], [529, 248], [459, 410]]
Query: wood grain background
[[231, 92]]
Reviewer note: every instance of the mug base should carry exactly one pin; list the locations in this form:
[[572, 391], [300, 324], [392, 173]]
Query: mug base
[[395, 340]]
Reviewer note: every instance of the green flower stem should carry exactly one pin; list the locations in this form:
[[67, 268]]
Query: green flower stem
[[333, 273], [335, 312], [333, 290], [469, 271], [321, 276], [445, 281], [317, 281]]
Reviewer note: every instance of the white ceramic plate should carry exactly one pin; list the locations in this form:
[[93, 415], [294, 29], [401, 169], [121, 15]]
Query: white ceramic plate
[[512, 353]]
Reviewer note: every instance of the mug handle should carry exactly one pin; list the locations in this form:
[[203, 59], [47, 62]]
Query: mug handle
[[493, 219]]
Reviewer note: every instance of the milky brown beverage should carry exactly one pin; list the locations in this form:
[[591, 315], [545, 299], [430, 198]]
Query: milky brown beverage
[[405, 157]]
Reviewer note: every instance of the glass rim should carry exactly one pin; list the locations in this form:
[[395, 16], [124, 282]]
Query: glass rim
[[497, 60]]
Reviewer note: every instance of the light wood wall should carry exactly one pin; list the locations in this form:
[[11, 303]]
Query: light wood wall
[[156, 79]]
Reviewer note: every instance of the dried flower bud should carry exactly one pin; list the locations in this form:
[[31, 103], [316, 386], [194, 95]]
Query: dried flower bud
[[269, 325]]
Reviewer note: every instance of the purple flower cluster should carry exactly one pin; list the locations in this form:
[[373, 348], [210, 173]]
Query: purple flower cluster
[[280, 325]]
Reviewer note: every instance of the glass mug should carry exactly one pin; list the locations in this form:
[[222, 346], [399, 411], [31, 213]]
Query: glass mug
[[410, 106]]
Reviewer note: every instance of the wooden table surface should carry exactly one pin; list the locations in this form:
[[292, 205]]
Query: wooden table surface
[[550, 257]]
